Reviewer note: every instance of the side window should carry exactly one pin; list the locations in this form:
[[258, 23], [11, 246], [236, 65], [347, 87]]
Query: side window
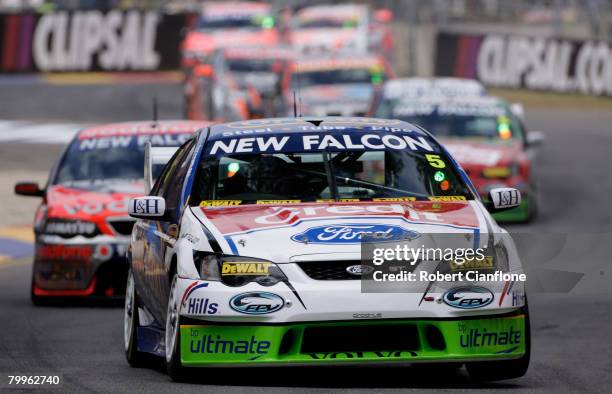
[[170, 182]]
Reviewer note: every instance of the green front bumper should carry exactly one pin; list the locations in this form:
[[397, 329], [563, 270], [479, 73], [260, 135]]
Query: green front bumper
[[325, 343]]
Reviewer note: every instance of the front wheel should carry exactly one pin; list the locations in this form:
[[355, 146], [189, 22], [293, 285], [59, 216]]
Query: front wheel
[[507, 369], [175, 369], [130, 324]]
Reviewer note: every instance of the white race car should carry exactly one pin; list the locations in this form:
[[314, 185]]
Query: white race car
[[252, 250]]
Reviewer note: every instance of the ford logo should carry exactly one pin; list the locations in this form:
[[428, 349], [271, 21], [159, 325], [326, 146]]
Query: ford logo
[[256, 303], [359, 270], [353, 233], [468, 297]]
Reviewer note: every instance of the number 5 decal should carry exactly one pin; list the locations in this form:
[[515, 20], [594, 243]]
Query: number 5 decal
[[435, 161]]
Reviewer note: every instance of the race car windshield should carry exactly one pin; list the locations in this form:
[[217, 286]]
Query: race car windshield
[[449, 121], [337, 76], [311, 177], [99, 162], [236, 22], [327, 23], [251, 65]]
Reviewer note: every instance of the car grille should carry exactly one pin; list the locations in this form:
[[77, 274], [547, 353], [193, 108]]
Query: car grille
[[329, 270], [367, 338], [122, 227], [337, 269]]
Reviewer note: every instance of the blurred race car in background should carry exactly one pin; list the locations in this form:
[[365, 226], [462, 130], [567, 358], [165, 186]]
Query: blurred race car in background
[[334, 85], [412, 87], [233, 23], [249, 74], [81, 226], [487, 138], [330, 28]]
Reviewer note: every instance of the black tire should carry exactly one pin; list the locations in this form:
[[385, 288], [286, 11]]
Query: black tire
[[174, 367], [507, 369], [36, 300], [133, 356]]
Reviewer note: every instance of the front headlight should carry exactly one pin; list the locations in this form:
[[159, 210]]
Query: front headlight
[[501, 257], [237, 271]]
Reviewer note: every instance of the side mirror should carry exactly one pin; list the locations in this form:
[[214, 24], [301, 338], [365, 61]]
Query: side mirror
[[518, 110], [29, 189], [535, 138], [148, 207], [503, 198]]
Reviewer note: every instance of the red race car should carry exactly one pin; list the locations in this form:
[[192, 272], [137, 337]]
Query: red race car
[[237, 84], [82, 228], [341, 27], [485, 136], [228, 24]]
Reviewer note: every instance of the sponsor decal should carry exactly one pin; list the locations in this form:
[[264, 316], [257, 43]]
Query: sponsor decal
[[505, 197], [447, 198], [394, 199], [259, 217], [146, 206], [518, 298], [367, 315], [94, 208], [359, 270], [519, 61], [479, 337], [64, 252], [468, 297], [257, 303], [220, 203], [191, 238], [357, 355], [110, 41], [190, 289], [278, 201], [353, 234], [130, 141], [250, 268], [103, 252], [319, 142], [472, 264], [201, 306], [216, 344], [70, 227]]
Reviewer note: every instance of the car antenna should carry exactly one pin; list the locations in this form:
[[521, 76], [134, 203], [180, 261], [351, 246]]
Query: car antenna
[[154, 112], [295, 105]]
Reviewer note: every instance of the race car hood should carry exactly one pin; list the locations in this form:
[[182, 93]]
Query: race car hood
[[329, 38], [345, 92], [207, 41], [91, 204], [477, 154], [289, 233]]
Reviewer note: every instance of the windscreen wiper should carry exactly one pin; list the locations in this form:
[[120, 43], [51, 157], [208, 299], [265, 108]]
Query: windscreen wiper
[[331, 178]]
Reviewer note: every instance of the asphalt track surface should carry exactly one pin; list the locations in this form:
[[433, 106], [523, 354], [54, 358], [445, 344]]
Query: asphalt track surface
[[571, 351]]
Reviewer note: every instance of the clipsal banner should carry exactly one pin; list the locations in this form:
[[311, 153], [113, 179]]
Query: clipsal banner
[[536, 63], [90, 40]]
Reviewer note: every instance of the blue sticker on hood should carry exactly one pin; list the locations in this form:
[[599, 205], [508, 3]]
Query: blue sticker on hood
[[341, 234]]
